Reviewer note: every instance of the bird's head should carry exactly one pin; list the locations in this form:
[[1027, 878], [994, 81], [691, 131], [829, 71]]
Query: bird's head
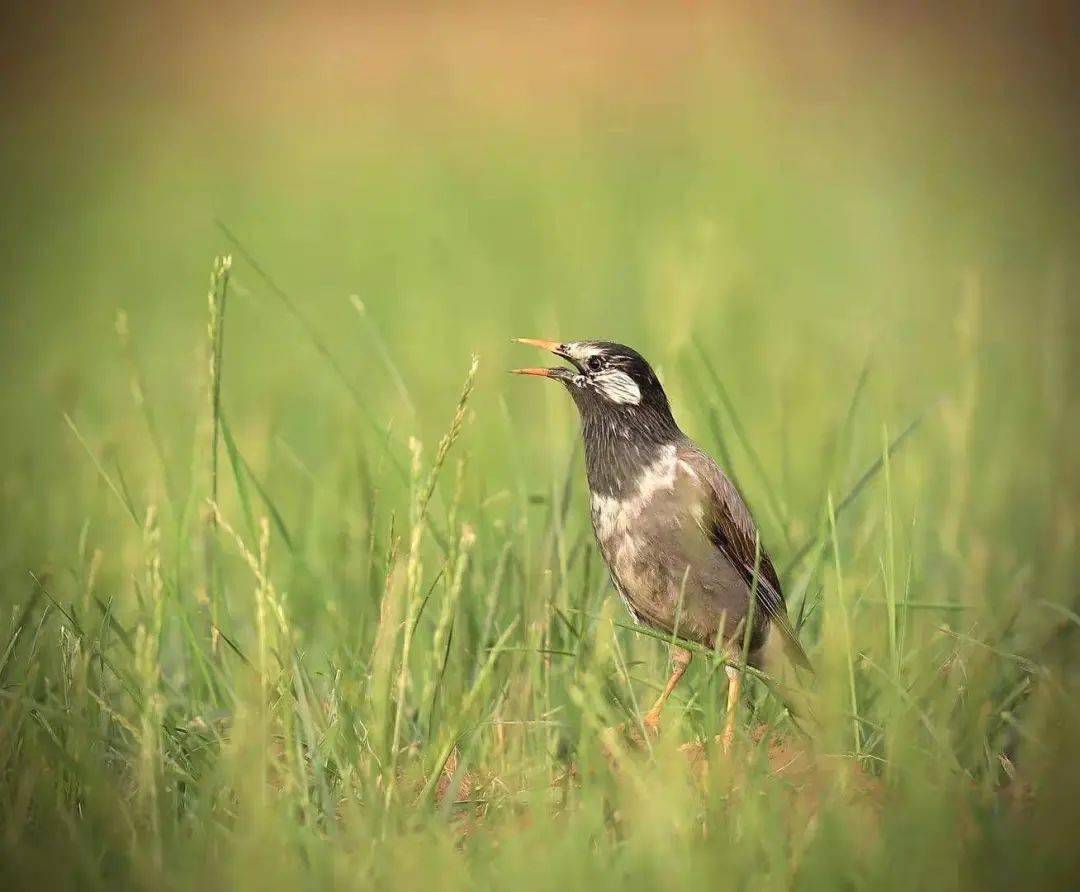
[[608, 381]]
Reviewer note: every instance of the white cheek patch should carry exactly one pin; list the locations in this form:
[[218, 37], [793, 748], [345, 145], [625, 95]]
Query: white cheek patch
[[618, 387]]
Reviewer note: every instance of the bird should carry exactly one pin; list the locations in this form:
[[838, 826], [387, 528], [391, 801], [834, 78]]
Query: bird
[[681, 545]]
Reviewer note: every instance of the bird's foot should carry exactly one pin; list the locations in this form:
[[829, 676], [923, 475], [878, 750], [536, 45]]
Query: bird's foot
[[629, 736], [727, 739], [651, 722]]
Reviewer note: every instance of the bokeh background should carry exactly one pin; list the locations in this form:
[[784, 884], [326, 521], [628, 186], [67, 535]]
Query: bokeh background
[[855, 214], [809, 192], [803, 188]]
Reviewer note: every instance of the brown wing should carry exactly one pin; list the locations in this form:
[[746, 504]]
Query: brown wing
[[731, 528]]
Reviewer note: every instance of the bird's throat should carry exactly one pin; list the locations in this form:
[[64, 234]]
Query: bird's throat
[[620, 447]]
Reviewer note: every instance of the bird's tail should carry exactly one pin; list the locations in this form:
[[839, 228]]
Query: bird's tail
[[788, 665], [790, 640]]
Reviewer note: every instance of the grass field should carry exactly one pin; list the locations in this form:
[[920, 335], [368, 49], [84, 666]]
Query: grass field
[[298, 587]]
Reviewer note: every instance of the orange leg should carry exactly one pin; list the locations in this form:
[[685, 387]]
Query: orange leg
[[680, 659], [733, 691]]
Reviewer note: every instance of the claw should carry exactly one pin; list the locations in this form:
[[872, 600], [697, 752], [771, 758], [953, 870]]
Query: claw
[[651, 721]]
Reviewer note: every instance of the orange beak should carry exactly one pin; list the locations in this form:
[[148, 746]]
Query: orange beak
[[539, 373], [552, 347]]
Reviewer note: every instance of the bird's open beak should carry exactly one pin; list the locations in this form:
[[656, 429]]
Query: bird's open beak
[[539, 373], [552, 347]]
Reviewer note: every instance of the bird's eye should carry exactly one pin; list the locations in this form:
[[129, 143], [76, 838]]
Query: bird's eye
[[594, 363]]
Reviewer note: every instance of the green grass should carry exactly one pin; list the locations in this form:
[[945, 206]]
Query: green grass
[[297, 592]]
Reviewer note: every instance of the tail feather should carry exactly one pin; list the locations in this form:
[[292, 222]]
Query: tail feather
[[795, 690], [792, 647]]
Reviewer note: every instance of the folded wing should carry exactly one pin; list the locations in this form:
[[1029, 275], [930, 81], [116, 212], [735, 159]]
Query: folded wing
[[731, 528]]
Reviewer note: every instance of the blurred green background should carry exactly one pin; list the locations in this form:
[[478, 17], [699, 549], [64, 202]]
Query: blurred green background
[[807, 198], [803, 190], [807, 192]]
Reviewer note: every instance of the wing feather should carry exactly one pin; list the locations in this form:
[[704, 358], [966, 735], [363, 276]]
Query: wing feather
[[731, 528]]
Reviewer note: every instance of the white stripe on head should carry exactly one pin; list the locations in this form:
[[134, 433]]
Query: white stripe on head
[[618, 387], [581, 350]]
